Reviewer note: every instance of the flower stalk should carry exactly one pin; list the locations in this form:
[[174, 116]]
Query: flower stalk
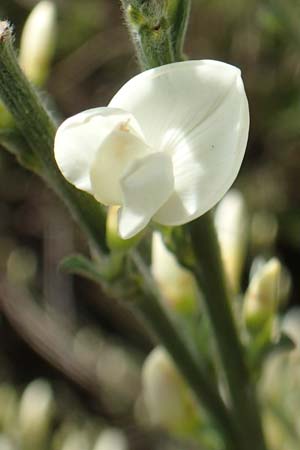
[[160, 322], [210, 276]]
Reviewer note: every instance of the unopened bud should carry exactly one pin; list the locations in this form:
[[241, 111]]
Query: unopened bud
[[262, 296], [168, 400], [38, 41], [176, 283], [111, 439], [35, 413], [231, 221]]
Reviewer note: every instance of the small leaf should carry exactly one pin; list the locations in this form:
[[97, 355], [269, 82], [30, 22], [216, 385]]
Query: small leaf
[[109, 269], [80, 265]]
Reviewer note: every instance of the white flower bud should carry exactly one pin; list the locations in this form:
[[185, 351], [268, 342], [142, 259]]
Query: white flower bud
[[38, 41], [168, 400], [176, 283], [231, 221], [111, 439], [262, 296], [35, 413]]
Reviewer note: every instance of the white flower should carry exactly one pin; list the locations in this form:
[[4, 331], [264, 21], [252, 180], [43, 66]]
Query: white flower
[[167, 148]]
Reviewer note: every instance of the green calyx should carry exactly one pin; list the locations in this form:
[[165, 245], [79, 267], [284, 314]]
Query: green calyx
[[158, 29]]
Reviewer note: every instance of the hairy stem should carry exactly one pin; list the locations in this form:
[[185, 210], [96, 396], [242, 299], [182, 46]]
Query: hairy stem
[[38, 130], [161, 323], [210, 276]]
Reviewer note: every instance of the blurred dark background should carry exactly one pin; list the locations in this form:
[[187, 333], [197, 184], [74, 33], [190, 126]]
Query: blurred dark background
[[77, 327]]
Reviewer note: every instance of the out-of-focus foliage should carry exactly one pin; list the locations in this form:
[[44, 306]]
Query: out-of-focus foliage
[[93, 58]]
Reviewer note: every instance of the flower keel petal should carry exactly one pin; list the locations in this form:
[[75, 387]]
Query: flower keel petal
[[146, 186], [118, 151]]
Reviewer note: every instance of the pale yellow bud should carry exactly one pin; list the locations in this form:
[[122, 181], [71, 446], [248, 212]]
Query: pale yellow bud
[[35, 413], [38, 41], [176, 283], [231, 221], [262, 296], [111, 439], [168, 400]]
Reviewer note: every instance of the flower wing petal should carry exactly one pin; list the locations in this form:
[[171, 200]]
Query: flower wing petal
[[197, 112], [146, 185], [79, 137], [115, 154]]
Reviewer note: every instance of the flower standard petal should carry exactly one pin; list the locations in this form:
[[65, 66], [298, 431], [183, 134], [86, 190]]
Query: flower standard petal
[[78, 139], [197, 112], [207, 167], [146, 185]]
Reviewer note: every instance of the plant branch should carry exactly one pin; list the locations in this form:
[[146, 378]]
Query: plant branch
[[159, 321], [38, 130], [208, 271]]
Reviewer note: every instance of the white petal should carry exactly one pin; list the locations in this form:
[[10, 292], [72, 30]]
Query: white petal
[[146, 186], [79, 138], [197, 112], [115, 154]]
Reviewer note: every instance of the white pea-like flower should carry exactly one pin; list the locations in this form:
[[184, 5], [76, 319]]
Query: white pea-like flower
[[167, 147]]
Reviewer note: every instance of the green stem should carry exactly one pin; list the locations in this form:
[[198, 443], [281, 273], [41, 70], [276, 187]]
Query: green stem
[[159, 321], [38, 130], [178, 12], [210, 276], [151, 33]]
